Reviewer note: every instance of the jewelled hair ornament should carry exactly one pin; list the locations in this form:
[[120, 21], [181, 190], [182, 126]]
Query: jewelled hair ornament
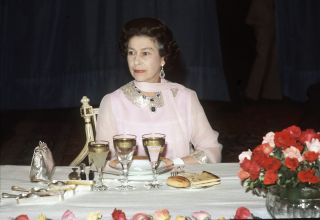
[[42, 164]]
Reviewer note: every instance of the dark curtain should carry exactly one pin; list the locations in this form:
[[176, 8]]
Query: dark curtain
[[298, 34], [54, 52]]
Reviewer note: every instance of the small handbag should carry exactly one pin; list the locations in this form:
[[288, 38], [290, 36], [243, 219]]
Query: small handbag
[[42, 164]]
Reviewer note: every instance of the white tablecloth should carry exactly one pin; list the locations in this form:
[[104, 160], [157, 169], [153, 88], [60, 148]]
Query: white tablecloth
[[219, 200]]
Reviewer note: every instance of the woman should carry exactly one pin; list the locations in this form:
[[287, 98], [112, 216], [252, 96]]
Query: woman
[[151, 104]]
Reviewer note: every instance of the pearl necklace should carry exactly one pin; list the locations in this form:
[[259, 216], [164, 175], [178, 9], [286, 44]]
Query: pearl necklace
[[137, 97]]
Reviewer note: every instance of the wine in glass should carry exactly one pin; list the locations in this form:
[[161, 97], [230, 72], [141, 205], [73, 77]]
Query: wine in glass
[[124, 145], [98, 153], [154, 145]]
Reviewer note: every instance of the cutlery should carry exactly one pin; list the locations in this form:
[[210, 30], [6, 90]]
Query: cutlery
[[32, 190], [19, 196], [177, 170], [164, 169], [31, 195], [37, 191]]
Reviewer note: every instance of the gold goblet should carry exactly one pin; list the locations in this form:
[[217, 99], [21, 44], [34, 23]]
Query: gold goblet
[[124, 145], [154, 145], [98, 153]]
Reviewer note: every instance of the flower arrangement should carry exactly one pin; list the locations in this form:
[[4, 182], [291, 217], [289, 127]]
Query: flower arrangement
[[161, 214], [286, 159]]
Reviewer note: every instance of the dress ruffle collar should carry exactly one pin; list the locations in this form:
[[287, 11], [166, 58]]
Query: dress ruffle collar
[[152, 87]]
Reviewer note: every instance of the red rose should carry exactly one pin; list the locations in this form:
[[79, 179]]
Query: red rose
[[294, 131], [270, 177], [266, 162], [283, 139], [291, 163], [273, 164], [307, 135], [22, 217], [259, 157], [251, 167], [310, 156], [265, 148], [254, 171], [243, 174], [307, 176], [243, 213], [299, 146], [118, 214], [245, 164]]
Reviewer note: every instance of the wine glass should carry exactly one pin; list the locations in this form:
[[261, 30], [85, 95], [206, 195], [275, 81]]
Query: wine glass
[[98, 153], [124, 145], [154, 145]]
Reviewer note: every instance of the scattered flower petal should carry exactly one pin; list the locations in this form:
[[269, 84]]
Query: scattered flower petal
[[118, 214], [22, 217], [180, 217], [42, 217], [141, 216], [68, 215], [201, 215], [161, 214], [94, 216], [243, 213]]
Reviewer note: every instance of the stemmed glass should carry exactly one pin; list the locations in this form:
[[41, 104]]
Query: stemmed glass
[[154, 145], [98, 153], [125, 145]]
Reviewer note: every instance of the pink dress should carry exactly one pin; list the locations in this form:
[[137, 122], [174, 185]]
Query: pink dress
[[181, 118]]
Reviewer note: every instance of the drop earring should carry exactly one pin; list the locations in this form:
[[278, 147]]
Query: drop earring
[[162, 73]]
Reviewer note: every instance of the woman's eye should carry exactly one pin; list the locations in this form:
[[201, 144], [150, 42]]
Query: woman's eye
[[130, 53], [145, 53]]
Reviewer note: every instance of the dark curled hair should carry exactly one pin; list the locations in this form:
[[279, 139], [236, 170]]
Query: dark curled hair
[[153, 28]]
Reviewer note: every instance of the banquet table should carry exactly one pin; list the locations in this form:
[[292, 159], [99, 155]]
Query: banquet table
[[219, 201]]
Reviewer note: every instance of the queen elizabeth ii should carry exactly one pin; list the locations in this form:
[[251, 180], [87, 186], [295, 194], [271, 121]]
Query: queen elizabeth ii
[[151, 104]]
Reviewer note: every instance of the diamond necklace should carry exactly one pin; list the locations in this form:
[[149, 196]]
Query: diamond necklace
[[137, 97]]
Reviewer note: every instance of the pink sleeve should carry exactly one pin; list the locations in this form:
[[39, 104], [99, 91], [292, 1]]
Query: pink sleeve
[[106, 125], [203, 137]]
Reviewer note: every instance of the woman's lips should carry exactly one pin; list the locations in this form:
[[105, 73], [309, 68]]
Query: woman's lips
[[138, 71]]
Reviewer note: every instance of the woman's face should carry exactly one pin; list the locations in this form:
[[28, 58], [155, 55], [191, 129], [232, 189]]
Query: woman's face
[[144, 60]]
